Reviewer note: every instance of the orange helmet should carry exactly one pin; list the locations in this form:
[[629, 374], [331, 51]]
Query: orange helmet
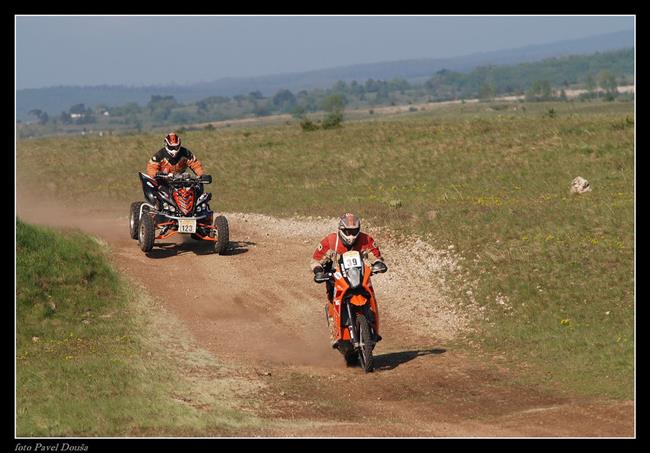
[[349, 228], [172, 143]]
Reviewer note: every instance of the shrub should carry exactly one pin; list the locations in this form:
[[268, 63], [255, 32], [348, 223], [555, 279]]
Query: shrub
[[333, 120], [308, 125]]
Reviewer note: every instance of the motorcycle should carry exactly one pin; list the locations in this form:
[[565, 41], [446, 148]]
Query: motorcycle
[[176, 204], [353, 310]]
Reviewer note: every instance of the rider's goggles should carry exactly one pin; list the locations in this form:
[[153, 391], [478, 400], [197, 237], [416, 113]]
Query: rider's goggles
[[350, 231]]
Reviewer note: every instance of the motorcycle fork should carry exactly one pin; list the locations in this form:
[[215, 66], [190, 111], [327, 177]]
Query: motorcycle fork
[[352, 326]]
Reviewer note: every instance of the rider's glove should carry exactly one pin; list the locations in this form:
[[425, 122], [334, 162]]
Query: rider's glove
[[378, 267], [318, 270]]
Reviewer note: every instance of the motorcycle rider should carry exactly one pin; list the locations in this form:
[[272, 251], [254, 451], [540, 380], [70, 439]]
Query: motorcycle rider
[[173, 158], [348, 237]]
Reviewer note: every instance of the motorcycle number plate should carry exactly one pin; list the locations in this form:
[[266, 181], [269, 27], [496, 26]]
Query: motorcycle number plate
[[352, 259], [186, 226]]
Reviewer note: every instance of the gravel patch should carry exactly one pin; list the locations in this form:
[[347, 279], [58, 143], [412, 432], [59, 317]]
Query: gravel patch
[[416, 290]]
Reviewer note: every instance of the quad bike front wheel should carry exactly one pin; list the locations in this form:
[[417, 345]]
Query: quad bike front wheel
[[146, 233], [223, 234], [134, 219], [365, 344]]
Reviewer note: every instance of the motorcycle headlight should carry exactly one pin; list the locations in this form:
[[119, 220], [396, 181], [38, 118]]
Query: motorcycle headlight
[[355, 276]]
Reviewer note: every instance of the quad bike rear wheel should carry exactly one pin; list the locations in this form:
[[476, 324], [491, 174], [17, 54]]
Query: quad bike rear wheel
[[146, 233], [223, 235], [134, 219], [365, 344]]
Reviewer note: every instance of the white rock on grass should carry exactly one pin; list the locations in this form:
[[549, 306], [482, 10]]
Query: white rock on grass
[[580, 185]]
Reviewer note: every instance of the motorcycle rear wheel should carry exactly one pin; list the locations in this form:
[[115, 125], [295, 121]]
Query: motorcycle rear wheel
[[365, 344]]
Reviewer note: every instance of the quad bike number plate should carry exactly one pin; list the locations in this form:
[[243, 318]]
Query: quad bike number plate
[[186, 226]]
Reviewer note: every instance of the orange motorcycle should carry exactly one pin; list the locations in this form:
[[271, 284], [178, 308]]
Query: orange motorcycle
[[353, 310]]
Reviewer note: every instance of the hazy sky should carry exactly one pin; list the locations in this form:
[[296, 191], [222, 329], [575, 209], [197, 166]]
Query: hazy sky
[[148, 50]]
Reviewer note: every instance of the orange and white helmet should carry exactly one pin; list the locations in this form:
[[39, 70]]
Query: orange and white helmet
[[349, 228], [172, 143]]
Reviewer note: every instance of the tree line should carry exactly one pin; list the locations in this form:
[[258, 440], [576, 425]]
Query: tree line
[[542, 80]]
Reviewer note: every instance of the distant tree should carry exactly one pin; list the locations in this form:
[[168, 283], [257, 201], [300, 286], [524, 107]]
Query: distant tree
[[202, 106], [371, 86], [539, 91], [239, 98], [78, 109], [298, 111], [42, 116], [256, 95], [160, 107], [261, 109], [563, 96], [607, 82], [334, 106], [590, 83], [205, 104], [36, 113], [284, 100], [340, 87], [130, 108], [162, 102], [383, 92], [334, 103], [356, 89], [182, 117], [64, 117], [486, 92], [398, 84]]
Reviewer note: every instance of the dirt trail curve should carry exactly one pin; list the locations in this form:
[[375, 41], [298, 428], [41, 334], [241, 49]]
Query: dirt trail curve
[[258, 309]]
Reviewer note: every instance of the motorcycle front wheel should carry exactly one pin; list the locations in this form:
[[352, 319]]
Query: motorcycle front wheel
[[365, 344]]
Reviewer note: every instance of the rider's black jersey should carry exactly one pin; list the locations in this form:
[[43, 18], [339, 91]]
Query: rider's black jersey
[[162, 155], [162, 161]]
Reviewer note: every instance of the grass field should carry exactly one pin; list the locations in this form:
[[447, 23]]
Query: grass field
[[554, 272], [88, 363]]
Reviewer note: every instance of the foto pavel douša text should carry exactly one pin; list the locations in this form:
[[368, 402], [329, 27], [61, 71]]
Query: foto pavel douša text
[[58, 446]]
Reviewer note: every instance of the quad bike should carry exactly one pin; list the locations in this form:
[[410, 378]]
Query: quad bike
[[353, 316], [175, 204]]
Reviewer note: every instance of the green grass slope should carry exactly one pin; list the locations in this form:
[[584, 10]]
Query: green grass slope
[[87, 363]]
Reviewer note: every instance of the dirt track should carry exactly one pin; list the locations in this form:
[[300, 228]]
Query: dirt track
[[258, 309]]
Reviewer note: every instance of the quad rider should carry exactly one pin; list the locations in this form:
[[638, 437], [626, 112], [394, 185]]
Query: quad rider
[[348, 237], [173, 158]]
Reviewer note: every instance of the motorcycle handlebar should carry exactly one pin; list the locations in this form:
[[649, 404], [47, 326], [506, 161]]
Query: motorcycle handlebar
[[184, 177], [322, 277]]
